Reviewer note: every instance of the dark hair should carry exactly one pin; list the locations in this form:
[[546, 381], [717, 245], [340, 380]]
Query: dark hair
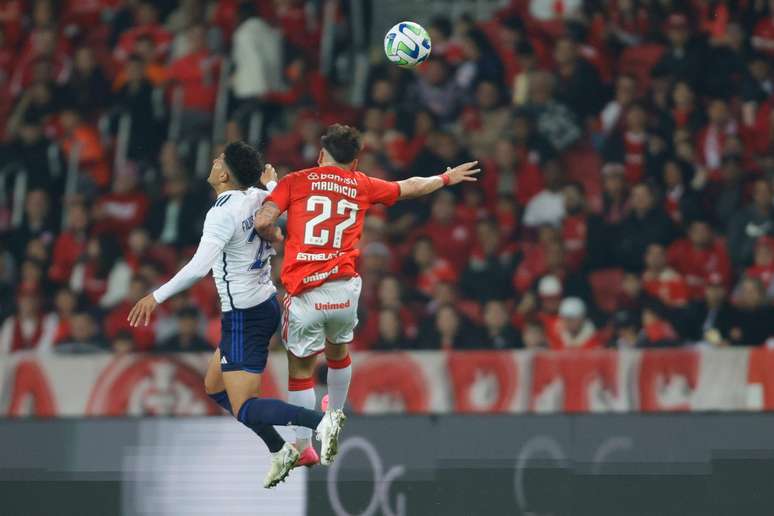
[[342, 142], [244, 162]]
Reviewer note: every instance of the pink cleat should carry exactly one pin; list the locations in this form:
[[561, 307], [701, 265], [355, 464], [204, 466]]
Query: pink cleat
[[324, 403], [308, 458]]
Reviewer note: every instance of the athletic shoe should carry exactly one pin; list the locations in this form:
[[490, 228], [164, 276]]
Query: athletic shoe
[[281, 464], [328, 433], [308, 458]]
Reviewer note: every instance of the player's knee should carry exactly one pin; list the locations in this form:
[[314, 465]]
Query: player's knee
[[336, 351], [211, 384]]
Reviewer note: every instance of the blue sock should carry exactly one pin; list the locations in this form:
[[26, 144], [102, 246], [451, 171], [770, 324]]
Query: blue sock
[[273, 440], [276, 412]]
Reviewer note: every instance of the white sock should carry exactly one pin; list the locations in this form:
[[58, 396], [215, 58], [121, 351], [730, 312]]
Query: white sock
[[308, 399], [338, 386]]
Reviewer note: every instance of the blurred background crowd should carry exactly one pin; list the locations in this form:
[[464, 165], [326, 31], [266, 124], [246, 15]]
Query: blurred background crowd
[[627, 197]]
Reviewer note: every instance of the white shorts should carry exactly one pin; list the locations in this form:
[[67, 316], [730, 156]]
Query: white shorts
[[327, 312]]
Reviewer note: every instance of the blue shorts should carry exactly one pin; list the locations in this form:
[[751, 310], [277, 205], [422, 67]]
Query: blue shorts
[[245, 335]]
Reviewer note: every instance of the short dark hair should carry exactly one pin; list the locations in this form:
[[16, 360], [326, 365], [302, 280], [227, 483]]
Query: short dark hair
[[342, 142], [244, 162]]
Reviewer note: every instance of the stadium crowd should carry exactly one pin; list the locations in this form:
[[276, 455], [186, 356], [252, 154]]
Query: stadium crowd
[[627, 197]]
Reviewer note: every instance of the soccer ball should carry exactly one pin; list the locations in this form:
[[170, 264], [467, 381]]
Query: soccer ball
[[407, 44]]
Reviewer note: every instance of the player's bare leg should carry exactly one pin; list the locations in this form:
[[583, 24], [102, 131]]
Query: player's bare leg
[[301, 392]]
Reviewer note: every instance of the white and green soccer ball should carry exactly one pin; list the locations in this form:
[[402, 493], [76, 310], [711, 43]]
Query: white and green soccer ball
[[407, 44]]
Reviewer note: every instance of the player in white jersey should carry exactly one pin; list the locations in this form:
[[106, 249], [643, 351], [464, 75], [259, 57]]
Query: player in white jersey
[[240, 261]]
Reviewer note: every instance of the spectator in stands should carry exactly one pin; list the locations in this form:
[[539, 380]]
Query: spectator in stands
[[37, 155], [29, 328], [757, 86], [197, 75], [750, 222], [763, 33], [122, 343], [547, 207], [440, 30], [100, 274], [187, 337], [84, 335], [712, 139], [763, 264], [661, 281], [498, 332], [437, 91], [447, 331], [38, 223], [656, 328], [175, 217], [647, 223], [751, 320], [451, 238], [578, 84], [572, 329], [490, 267], [392, 333], [124, 208], [511, 174], [480, 61], [533, 336], [81, 140], [613, 113], [726, 195], [709, 319], [484, 123], [146, 25], [574, 225], [554, 120], [698, 256], [70, 244], [629, 144], [627, 332], [87, 89], [257, 55], [65, 305], [683, 59], [135, 98], [605, 227], [116, 320], [681, 201]]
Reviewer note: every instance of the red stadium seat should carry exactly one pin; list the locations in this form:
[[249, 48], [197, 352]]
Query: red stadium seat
[[605, 285]]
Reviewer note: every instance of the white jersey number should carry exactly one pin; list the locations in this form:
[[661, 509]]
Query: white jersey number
[[321, 239]]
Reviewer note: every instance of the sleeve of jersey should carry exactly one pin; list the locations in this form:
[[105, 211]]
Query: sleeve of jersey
[[384, 192], [218, 227], [193, 271], [280, 195]]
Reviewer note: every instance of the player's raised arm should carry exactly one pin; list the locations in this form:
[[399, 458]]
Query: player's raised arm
[[266, 222], [418, 186], [217, 227]]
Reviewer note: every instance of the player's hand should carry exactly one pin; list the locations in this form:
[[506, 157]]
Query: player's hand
[[268, 175], [464, 172], [141, 312]]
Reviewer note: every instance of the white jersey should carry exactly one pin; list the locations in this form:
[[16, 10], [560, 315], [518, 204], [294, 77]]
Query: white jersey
[[243, 271]]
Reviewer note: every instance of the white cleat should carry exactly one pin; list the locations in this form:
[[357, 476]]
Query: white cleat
[[328, 433], [281, 464]]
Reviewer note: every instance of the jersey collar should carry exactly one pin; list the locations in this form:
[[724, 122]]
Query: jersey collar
[[228, 192]]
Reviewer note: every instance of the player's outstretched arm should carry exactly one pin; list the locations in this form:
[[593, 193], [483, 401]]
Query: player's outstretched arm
[[414, 187], [266, 222], [201, 263]]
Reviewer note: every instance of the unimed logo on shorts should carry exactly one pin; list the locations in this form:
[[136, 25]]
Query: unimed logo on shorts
[[332, 306]]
